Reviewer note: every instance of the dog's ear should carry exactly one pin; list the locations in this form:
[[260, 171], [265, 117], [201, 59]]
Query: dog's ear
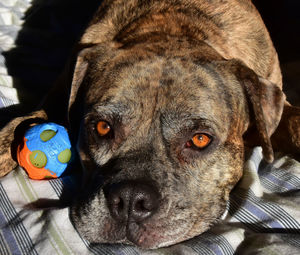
[[12, 135], [266, 102], [76, 93], [80, 69], [101, 52], [92, 54]]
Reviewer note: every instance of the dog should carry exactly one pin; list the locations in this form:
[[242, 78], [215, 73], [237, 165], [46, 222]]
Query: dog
[[161, 98]]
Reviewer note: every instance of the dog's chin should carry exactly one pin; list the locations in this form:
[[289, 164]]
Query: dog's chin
[[147, 235], [142, 236]]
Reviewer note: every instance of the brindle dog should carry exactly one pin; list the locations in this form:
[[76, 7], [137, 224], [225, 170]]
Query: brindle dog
[[164, 95]]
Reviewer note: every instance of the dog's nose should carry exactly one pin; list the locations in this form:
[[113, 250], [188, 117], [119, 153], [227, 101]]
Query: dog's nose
[[132, 201]]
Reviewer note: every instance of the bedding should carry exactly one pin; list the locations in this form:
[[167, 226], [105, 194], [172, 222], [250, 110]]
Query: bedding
[[262, 216]]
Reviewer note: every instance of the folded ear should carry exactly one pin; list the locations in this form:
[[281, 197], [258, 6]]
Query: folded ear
[[266, 102], [75, 106], [96, 55], [80, 69]]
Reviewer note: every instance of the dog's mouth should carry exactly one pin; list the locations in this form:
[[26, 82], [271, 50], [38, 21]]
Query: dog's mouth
[[140, 235], [147, 236], [134, 221], [135, 233], [152, 234]]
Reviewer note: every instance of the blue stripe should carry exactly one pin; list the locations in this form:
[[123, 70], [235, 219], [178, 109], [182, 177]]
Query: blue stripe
[[279, 176], [104, 249], [280, 182], [3, 245], [1, 103], [245, 217], [223, 243], [196, 245], [8, 235], [211, 245], [14, 222], [287, 176], [271, 186], [276, 212], [256, 211]]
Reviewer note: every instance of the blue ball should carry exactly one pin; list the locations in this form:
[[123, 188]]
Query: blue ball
[[50, 146]]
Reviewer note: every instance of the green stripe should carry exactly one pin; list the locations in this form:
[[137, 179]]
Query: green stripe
[[58, 240], [61, 235], [21, 180], [26, 185], [19, 185], [53, 244]]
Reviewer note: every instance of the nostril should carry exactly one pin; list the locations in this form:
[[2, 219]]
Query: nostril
[[142, 209], [118, 203], [144, 203], [142, 206], [140, 212]]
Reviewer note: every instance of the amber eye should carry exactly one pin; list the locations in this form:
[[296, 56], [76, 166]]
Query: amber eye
[[201, 140], [103, 128]]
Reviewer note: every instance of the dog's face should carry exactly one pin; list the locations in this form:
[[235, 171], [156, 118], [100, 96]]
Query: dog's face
[[165, 134]]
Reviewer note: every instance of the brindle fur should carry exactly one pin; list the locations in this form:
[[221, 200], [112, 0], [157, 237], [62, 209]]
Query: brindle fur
[[159, 72]]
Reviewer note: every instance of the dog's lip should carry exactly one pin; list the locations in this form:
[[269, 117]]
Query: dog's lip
[[146, 237], [140, 236], [133, 232]]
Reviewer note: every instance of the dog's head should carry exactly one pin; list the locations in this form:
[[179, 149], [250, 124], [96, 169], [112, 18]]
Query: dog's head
[[160, 135]]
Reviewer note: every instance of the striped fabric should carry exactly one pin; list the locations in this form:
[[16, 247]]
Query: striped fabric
[[262, 217], [11, 13]]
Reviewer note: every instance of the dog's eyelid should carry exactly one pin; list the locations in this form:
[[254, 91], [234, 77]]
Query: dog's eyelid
[[205, 125], [209, 131]]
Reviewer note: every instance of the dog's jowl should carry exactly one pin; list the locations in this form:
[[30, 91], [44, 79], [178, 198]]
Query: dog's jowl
[[163, 97]]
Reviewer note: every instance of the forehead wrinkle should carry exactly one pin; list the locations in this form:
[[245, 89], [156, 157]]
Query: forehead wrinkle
[[144, 86], [185, 122], [116, 109], [197, 103]]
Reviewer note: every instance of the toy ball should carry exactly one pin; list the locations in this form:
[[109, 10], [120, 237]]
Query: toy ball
[[45, 152]]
